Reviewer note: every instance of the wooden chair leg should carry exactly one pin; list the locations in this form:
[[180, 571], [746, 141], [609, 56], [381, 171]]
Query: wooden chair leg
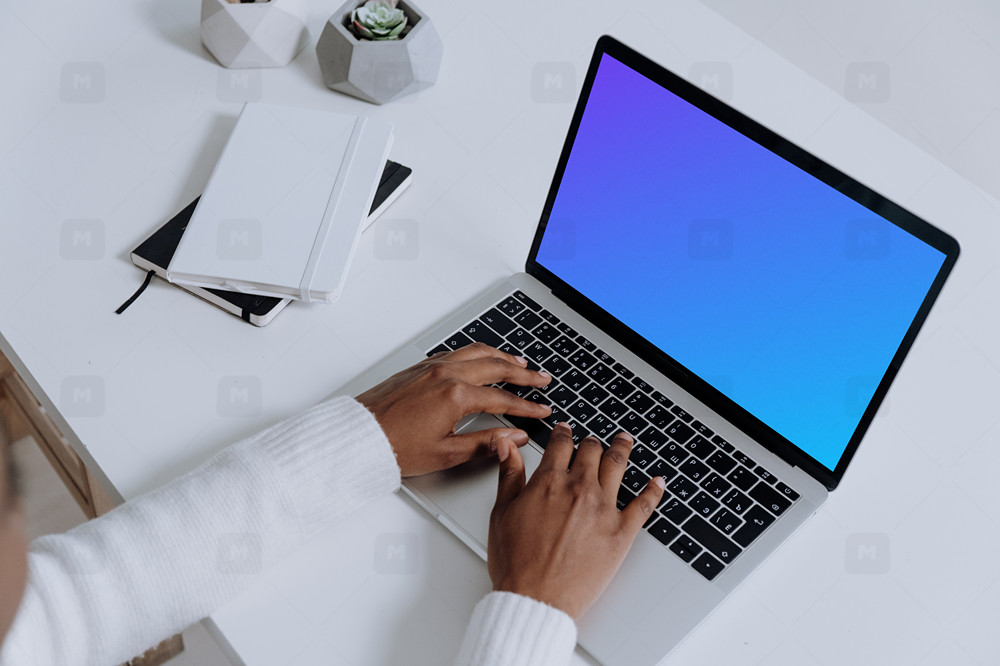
[[160, 654]]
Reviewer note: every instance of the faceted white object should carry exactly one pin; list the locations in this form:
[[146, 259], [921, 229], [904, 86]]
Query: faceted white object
[[254, 34]]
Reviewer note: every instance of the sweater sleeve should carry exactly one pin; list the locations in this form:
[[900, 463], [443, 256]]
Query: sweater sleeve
[[111, 588], [508, 629]]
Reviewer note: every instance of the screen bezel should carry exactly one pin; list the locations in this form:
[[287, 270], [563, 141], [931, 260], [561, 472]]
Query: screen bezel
[[799, 157]]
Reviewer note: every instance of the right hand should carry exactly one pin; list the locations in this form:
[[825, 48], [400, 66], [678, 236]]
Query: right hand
[[560, 538]]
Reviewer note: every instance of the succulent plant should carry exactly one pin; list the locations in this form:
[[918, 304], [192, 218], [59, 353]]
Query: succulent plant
[[378, 20]]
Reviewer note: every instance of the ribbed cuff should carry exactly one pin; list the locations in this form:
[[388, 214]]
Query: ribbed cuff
[[508, 629], [334, 458]]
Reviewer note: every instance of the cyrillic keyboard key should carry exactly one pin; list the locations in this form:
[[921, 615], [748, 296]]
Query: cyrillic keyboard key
[[716, 486], [726, 521], [633, 423], [694, 469], [674, 510], [674, 454], [660, 468], [565, 346], [520, 338], [603, 428], [582, 410], [653, 438], [683, 488], [679, 432], [703, 504], [620, 388], [537, 352], [594, 394], [737, 501], [700, 446], [757, 520], [721, 462], [546, 333], [613, 409], [575, 379], [634, 480], [712, 539], [642, 456]]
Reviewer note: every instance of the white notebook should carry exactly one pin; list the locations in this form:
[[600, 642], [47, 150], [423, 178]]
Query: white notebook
[[283, 211]]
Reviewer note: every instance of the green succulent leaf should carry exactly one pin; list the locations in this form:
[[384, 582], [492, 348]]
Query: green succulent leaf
[[378, 20]]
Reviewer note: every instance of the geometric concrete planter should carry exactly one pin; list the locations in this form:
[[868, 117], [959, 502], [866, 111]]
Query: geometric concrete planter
[[379, 71], [257, 34]]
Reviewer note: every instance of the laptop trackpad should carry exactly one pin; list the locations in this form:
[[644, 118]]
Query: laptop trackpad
[[466, 494]]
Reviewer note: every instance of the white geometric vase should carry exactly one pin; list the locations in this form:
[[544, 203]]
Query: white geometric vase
[[253, 34], [381, 71]]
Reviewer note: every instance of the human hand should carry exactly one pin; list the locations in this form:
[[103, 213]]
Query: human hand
[[560, 538], [419, 407]]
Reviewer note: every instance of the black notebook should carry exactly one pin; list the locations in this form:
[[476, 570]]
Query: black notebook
[[154, 253]]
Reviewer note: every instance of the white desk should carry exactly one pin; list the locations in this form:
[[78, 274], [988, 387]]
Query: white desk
[[483, 149]]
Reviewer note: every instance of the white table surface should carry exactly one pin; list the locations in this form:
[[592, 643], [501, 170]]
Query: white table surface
[[917, 509]]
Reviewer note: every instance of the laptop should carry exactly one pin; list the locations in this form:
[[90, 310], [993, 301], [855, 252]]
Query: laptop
[[737, 304]]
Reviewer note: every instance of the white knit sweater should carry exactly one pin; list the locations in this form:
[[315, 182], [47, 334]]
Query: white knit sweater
[[111, 588]]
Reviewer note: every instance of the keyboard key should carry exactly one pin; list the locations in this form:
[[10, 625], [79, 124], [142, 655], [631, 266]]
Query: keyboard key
[[660, 417], [623, 371], [549, 317], [601, 374], [704, 504], [603, 428], [641, 385], [498, 321], [662, 399], [604, 357], [674, 454], [562, 397], [583, 360], [508, 348], [700, 446], [567, 329], [707, 566], [519, 391], [663, 531], [594, 394], [653, 438], [702, 429], [661, 468], [557, 366], [586, 344], [634, 480], [742, 478], [537, 429], [565, 346], [528, 319], [683, 488], [757, 520], [679, 432], [764, 474], [620, 388], [770, 499], [641, 456], [439, 348], [744, 459], [681, 414], [582, 410], [723, 444], [694, 469], [458, 340], [510, 306], [546, 333], [524, 298], [520, 338], [726, 521], [737, 501], [480, 332], [721, 462], [674, 510], [716, 486], [633, 423], [685, 548], [624, 497], [537, 352], [613, 409], [712, 539], [640, 402], [575, 379], [786, 491]]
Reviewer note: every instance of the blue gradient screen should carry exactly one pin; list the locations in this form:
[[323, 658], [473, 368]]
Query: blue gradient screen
[[785, 295]]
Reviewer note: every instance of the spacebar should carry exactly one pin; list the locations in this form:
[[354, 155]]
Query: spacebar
[[537, 429]]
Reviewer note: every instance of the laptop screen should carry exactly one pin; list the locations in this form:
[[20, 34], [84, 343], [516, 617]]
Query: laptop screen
[[785, 295]]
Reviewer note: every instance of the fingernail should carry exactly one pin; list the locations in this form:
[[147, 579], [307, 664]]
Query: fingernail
[[544, 374], [563, 424], [660, 482], [521, 360], [502, 451], [624, 435]]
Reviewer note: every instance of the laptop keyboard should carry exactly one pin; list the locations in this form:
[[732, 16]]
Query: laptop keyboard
[[717, 500]]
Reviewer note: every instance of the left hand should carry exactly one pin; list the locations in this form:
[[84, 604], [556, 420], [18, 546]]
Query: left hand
[[419, 407]]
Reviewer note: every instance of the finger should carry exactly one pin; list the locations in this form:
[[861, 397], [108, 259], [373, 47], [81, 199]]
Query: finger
[[480, 350], [638, 510], [482, 444], [613, 462], [588, 458], [497, 401], [559, 450], [511, 480], [494, 369]]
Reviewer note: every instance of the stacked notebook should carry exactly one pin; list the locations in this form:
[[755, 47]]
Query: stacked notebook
[[282, 213]]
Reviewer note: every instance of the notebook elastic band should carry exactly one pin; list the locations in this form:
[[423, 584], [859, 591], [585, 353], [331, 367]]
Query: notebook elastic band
[[137, 294]]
